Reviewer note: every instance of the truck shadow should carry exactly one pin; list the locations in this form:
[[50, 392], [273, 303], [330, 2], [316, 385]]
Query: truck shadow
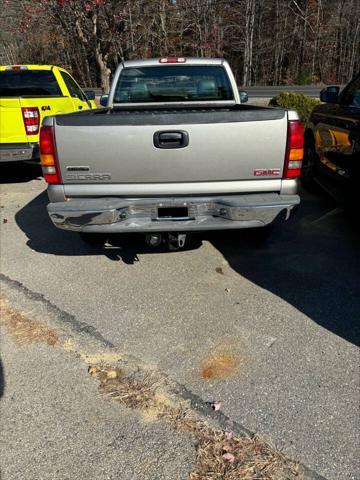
[[127, 247], [312, 262], [43, 237], [19, 172]]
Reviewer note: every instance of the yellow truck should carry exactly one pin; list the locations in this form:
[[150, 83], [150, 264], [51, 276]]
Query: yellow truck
[[28, 93]]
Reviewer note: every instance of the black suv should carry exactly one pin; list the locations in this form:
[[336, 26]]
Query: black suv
[[332, 144]]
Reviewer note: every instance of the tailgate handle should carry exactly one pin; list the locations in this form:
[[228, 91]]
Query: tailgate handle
[[171, 139]]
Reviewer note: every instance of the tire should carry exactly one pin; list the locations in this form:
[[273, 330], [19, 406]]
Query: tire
[[93, 239], [308, 167]]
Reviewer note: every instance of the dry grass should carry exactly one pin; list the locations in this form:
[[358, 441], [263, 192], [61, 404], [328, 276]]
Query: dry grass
[[130, 391], [23, 329], [253, 459]]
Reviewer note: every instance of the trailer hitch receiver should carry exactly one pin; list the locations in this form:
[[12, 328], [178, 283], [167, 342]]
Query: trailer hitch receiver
[[176, 240]]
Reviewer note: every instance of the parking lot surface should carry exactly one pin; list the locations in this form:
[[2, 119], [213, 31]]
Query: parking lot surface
[[271, 330]]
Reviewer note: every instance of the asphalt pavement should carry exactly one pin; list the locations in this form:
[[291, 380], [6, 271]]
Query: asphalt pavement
[[271, 331]]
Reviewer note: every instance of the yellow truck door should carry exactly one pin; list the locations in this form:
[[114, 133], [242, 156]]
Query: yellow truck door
[[80, 102]]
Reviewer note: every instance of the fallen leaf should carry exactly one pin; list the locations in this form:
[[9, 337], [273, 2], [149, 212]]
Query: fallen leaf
[[229, 457], [93, 371], [5, 220], [219, 270], [112, 373]]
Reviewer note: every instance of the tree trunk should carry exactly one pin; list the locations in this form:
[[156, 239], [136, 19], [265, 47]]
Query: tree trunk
[[249, 39], [104, 71]]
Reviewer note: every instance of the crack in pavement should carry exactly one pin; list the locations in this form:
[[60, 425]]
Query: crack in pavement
[[86, 342], [63, 316]]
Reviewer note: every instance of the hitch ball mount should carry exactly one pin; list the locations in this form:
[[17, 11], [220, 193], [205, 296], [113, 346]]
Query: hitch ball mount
[[174, 241]]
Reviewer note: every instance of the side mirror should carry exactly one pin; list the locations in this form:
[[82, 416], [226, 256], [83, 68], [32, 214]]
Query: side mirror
[[244, 97], [90, 94], [330, 94], [104, 100]]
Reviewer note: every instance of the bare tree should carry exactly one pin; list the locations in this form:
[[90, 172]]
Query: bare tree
[[266, 41]]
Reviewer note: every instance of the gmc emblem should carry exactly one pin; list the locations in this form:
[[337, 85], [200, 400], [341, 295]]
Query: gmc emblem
[[267, 172]]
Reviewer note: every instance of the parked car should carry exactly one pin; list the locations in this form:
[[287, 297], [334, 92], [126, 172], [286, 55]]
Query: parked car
[[332, 144], [28, 93], [174, 151]]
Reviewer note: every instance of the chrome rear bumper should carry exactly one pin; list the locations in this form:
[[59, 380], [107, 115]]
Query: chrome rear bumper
[[113, 215], [17, 152]]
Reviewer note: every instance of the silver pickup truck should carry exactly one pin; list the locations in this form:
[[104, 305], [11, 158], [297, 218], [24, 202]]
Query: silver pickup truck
[[174, 151]]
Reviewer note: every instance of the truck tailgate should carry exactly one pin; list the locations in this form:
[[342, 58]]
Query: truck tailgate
[[227, 144]]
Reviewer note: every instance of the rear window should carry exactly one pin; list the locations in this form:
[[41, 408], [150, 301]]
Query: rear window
[[173, 84], [28, 83]]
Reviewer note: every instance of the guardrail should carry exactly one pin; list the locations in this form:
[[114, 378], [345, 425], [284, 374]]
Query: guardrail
[[263, 91], [98, 91]]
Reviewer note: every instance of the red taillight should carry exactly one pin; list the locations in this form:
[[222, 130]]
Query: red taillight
[[294, 150], [172, 60], [48, 157], [31, 117]]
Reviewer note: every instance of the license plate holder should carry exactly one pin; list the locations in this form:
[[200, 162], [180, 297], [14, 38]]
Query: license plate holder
[[173, 213]]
